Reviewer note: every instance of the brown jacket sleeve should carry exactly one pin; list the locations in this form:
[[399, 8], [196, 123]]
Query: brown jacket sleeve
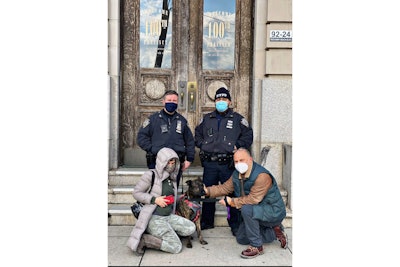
[[222, 189], [257, 192]]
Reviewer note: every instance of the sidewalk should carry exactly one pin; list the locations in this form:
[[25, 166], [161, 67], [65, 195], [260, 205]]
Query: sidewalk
[[221, 250]]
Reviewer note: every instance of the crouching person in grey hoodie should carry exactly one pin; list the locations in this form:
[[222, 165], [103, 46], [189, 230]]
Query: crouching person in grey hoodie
[[158, 226]]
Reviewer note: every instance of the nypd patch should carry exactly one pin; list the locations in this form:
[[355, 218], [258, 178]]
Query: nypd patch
[[244, 122], [179, 126], [145, 123]]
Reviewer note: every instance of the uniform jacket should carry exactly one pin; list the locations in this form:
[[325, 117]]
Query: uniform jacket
[[234, 130], [266, 197], [158, 131], [140, 193]]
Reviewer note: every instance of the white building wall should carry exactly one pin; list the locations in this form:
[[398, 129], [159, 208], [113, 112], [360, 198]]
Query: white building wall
[[272, 88]]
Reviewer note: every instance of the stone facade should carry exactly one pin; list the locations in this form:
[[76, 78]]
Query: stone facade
[[272, 90]]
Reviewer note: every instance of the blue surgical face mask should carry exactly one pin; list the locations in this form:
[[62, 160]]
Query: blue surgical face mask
[[171, 106], [221, 106]]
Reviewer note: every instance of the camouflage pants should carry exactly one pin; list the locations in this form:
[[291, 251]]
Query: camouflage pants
[[168, 228]]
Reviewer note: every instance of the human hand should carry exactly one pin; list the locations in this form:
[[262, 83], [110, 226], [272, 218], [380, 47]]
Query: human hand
[[225, 201], [186, 164], [161, 201], [205, 190]]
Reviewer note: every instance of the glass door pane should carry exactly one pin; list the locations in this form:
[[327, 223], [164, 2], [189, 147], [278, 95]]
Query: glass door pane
[[155, 33], [219, 34]]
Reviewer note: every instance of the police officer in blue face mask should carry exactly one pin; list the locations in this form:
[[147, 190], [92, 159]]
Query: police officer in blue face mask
[[167, 128], [219, 135]]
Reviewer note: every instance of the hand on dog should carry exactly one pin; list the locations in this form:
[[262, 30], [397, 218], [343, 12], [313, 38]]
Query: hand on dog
[[205, 190]]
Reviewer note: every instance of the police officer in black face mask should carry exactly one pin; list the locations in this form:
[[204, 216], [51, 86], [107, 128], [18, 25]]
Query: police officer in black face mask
[[218, 136], [167, 128]]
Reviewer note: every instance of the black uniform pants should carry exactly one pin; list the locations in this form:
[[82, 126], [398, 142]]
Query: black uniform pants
[[214, 173]]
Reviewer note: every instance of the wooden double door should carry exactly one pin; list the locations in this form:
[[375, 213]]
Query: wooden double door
[[191, 46]]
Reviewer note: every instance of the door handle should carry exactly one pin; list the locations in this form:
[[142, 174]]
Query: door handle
[[182, 98], [182, 87], [192, 90], [191, 100]]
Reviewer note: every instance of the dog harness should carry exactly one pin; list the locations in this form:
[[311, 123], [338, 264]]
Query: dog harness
[[193, 205]]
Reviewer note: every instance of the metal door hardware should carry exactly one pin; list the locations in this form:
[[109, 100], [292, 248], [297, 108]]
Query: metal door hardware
[[181, 94], [192, 95]]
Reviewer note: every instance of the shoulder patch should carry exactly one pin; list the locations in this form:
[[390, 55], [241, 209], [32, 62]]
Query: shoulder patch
[[145, 123], [244, 122]]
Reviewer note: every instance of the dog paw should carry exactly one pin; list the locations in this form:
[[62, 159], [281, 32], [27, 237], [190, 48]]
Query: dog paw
[[189, 245], [203, 242]]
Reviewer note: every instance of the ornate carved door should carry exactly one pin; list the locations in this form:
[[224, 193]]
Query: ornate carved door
[[191, 46]]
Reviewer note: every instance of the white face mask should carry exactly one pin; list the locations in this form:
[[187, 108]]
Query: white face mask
[[241, 167]]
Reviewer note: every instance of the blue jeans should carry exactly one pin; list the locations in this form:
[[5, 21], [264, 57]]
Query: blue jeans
[[253, 231]]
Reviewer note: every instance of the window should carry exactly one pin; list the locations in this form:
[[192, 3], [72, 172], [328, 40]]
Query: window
[[155, 33], [219, 34]]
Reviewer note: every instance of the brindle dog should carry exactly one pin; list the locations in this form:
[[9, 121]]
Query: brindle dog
[[192, 209]]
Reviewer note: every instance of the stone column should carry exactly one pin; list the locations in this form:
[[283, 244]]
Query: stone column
[[114, 75]]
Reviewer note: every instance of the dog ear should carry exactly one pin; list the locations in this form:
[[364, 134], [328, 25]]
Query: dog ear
[[200, 178], [189, 182]]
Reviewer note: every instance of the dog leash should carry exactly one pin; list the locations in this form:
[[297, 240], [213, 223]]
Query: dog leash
[[228, 208], [205, 199]]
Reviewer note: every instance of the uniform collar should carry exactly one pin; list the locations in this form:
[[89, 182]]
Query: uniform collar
[[229, 113], [163, 114]]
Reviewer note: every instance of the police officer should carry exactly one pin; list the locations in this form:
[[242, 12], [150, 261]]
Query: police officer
[[167, 128], [219, 135]]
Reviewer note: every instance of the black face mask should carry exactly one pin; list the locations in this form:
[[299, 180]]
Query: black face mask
[[170, 107]]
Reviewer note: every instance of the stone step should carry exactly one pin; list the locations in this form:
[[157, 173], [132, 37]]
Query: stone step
[[121, 184], [122, 215], [120, 198], [130, 176], [122, 206], [123, 194]]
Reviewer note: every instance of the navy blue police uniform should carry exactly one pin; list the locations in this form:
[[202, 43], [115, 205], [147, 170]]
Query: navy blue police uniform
[[216, 136], [164, 130]]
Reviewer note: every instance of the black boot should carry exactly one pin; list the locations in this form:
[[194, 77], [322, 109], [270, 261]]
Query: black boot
[[148, 241]]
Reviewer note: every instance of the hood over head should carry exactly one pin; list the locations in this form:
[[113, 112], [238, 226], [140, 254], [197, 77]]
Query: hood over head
[[163, 156]]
